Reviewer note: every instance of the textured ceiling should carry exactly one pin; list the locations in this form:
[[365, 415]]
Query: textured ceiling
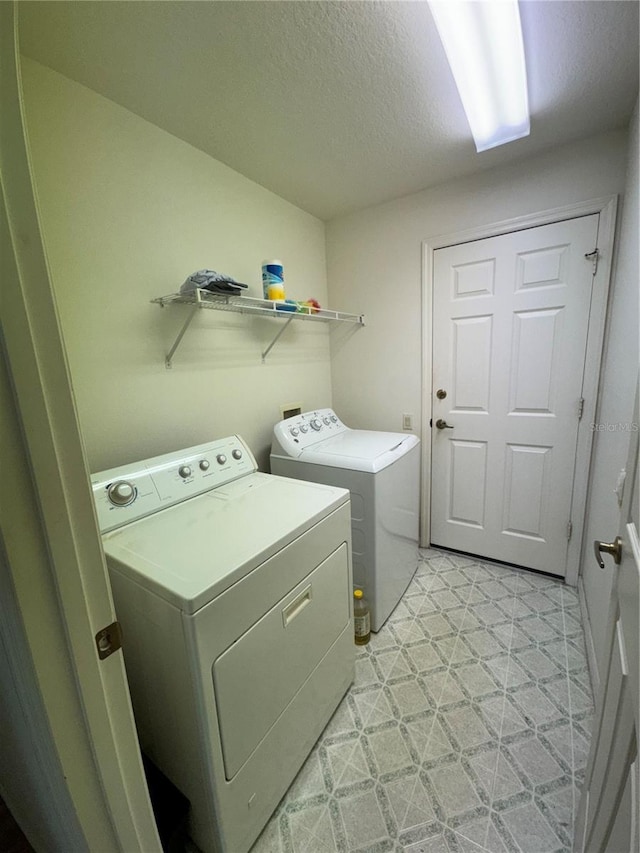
[[334, 105]]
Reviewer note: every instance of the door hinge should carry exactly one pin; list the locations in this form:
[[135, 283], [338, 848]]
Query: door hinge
[[580, 408], [593, 257], [569, 529], [109, 640]]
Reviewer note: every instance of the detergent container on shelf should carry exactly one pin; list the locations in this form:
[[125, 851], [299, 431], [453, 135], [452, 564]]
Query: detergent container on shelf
[[273, 281]]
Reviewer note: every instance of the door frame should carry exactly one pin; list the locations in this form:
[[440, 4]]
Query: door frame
[[91, 726], [606, 207]]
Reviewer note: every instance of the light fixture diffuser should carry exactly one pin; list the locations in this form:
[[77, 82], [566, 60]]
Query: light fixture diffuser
[[483, 43]]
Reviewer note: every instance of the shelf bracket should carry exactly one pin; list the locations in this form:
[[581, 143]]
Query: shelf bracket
[[185, 326], [275, 340]]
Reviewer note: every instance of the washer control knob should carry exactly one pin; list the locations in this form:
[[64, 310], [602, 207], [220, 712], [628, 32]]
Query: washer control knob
[[304, 428], [184, 471], [327, 421], [237, 453], [294, 431], [221, 458], [204, 464], [334, 419], [121, 493], [315, 424]]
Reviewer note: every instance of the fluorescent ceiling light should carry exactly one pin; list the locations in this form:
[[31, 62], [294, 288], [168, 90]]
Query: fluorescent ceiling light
[[483, 43]]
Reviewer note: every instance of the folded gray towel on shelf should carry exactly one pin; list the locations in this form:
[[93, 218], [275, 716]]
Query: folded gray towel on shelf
[[213, 281]]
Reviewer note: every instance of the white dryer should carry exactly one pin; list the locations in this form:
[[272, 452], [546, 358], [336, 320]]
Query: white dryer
[[233, 590], [382, 472]]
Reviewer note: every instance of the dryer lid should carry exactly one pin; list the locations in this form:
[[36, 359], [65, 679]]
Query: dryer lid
[[360, 450], [192, 551]]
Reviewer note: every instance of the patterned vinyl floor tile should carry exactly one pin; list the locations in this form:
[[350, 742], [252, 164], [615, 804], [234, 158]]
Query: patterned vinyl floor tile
[[466, 729]]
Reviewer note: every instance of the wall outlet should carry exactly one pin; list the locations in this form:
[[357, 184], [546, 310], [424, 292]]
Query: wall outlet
[[290, 410], [407, 422]]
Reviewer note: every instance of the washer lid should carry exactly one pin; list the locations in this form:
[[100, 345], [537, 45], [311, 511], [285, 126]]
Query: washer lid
[[189, 553], [360, 450]]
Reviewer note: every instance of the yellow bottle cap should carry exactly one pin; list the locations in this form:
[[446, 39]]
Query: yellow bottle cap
[[357, 593]]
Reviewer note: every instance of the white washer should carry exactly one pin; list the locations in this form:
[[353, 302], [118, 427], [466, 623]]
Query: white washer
[[233, 590], [382, 472]]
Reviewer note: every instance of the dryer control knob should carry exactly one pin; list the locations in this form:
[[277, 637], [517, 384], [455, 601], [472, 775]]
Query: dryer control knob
[[184, 471], [121, 493], [221, 458], [304, 428], [315, 424], [327, 421], [237, 453], [334, 419], [204, 464], [294, 431]]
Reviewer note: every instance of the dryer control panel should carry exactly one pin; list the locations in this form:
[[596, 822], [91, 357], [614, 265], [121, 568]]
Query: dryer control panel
[[130, 492], [293, 435]]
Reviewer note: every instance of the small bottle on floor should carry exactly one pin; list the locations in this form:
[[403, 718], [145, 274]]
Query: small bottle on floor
[[361, 618]]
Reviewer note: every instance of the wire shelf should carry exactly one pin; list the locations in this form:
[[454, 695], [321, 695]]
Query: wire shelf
[[200, 299]]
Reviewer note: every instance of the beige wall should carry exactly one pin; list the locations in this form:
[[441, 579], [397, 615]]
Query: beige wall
[[374, 264], [128, 211]]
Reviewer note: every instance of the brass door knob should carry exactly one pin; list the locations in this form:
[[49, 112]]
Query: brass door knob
[[614, 548]]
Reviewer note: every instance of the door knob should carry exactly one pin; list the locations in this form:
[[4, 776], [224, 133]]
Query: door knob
[[441, 393], [614, 548], [443, 424]]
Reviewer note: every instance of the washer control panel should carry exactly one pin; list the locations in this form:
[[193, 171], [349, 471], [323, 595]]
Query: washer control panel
[[294, 434], [124, 494]]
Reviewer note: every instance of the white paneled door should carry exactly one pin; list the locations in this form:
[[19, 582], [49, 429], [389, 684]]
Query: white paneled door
[[510, 322], [609, 814]]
